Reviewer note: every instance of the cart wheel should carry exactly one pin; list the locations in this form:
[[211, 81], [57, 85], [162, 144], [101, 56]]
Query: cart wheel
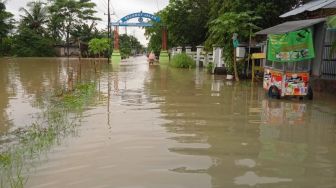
[[274, 92], [310, 94]]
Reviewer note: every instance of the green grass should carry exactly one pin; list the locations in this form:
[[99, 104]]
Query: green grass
[[183, 61], [59, 120]]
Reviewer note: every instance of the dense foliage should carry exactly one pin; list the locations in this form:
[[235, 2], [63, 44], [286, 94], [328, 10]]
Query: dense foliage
[[99, 46], [213, 22], [44, 25], [189, 22], [129, 45], [183, 61], [6, 25], [32, 38], [186, 22]]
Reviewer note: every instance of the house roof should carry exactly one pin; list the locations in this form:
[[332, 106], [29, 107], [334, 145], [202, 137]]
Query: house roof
[[290, 26], [311, 6]]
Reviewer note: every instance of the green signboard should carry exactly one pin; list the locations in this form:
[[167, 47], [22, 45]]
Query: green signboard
[[291, 47], [331, 22]]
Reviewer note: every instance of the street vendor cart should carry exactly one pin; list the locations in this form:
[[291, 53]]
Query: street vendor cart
[[287, 69]]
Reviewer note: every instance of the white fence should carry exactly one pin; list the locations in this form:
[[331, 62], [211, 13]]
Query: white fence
[[202, 57]]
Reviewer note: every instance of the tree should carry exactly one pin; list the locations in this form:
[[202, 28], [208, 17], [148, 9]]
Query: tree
[[236, 16], [222, 29], [186, 23], [129, 44], [28, 43], [67, 14], [269, 10], [98, 46], [32, 38], [83, 33], [6, 25], [36, 17], [154, 33]]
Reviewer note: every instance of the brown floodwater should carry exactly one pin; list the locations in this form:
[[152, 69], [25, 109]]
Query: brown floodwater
[[155, 126]]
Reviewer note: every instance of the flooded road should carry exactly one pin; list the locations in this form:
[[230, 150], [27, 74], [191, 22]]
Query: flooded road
[[162, 127]]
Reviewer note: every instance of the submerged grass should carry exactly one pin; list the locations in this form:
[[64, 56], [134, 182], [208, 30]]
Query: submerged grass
[[58, 120], [183, 61]]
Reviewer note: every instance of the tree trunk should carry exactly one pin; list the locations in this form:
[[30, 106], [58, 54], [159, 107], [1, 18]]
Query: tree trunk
[[67, 41]]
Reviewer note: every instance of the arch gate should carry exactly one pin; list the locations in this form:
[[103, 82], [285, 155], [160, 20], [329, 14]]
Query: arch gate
[[124, 22]]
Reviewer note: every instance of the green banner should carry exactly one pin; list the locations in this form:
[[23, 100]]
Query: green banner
[[331, 22], [291, 47]]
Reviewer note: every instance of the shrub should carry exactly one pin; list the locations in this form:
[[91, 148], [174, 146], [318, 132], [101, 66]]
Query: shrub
[[210, 67], [183, 61]]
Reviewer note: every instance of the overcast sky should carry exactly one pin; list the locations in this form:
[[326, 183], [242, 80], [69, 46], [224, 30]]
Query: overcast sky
[[121, 8]]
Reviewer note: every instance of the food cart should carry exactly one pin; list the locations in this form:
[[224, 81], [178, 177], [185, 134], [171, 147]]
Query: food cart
[[287, 69]]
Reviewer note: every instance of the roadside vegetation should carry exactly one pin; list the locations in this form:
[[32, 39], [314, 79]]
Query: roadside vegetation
[[45, 25], [182, 61], [213, 22]]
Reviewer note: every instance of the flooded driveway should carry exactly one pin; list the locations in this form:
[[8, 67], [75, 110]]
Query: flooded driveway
[[155, 126]]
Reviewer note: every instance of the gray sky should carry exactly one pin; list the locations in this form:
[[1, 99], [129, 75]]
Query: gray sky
[[121, 8]]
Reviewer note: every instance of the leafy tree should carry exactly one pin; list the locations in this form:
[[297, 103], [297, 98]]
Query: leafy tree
[[28, 43], [83, 33], [129, 44], [186, 23], [154, 34], [66, 15], [36, 17], [6, 25], [98, 46], [222, 29], [32, 38], [269, 10]]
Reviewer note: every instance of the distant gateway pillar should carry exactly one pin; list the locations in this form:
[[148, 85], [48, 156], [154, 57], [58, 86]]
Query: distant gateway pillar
[[124, 22], [164, 39], [164, 55], [116, 38], [116, 57]]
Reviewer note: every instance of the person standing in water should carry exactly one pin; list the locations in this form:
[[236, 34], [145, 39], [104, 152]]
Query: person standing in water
[[151, 58]]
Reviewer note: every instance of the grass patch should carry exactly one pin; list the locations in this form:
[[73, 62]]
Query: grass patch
[[60, 119], [183, 61]]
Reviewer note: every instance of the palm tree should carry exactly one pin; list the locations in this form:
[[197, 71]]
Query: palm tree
[[36, 17], [70, 13], [6, 24]]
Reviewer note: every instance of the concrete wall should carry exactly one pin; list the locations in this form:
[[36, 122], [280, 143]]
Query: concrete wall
[[323, 85], [62, 51], [319, 32]]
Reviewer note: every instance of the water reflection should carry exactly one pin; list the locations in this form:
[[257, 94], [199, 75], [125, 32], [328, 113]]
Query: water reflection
[[6, 91], [153, 126], [280, 113], [44, 101], [26, 82], [282, 141]]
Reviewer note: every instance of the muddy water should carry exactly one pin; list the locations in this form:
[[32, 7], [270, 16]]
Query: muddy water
[[161, 127]]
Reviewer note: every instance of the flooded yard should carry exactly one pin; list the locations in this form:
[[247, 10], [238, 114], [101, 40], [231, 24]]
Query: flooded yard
[[154, 126]]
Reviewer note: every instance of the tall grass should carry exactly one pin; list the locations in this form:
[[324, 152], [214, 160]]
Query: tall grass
[[183, 61], [58, 120]]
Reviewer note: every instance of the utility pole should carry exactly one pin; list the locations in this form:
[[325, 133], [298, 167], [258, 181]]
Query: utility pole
[[108, 30]]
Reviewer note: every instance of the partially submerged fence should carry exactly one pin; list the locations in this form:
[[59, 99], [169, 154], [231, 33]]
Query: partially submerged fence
[[202, 57]]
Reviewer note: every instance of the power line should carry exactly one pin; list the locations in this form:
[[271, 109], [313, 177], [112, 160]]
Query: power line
[[114, 12], [100, 9], [157, 5], [104, 3]]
